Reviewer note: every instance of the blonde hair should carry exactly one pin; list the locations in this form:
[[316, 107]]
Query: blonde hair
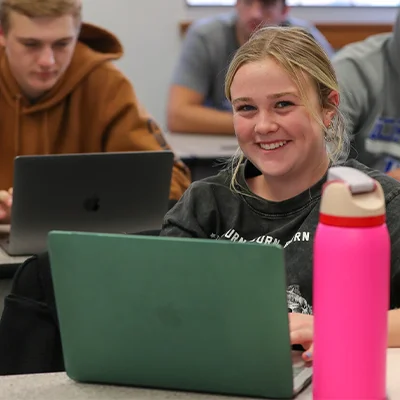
[[300, 55], [38, 9]]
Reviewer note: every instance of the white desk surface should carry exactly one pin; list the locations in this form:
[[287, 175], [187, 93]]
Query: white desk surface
[[5, 259], [189, 145], [59, 386]]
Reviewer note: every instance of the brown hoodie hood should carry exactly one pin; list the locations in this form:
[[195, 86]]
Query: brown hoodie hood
[[92, 108]]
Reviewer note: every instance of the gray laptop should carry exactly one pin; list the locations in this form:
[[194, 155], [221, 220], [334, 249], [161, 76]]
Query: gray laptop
[[183, 314], [95, 192]]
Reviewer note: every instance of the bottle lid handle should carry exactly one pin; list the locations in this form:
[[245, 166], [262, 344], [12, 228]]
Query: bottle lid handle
[[357, 181]]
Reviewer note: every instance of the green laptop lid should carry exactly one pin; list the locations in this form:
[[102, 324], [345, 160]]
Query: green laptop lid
[[171, 313]]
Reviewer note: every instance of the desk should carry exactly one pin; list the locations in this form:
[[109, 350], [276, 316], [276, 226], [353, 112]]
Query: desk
[[189, 145], [8, 264], [59, 386], [202, 153]]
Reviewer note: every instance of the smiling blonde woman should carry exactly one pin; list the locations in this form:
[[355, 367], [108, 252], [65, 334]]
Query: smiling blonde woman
[[285, 101]]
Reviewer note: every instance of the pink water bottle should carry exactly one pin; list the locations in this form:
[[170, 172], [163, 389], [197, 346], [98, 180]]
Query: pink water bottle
[[351, 289]]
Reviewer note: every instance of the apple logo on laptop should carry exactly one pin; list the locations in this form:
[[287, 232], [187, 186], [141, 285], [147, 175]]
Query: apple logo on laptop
[[91, 203]]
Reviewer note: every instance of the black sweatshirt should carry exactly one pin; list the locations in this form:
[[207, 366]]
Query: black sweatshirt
[[210, 209]]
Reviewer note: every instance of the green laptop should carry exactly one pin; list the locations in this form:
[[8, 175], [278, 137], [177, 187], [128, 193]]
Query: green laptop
[[170, 313]]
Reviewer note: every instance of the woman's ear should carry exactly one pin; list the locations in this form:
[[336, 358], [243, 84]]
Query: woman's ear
[[330, 112]]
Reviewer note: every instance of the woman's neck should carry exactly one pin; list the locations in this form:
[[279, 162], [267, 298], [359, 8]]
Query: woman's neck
[[286, 187]]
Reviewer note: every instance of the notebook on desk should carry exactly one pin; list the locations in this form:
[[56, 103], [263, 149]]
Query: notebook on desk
[[97, 192], [186, 314]]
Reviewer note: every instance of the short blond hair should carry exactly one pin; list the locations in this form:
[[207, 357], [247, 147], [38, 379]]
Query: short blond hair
[[38, 9], [300, 55]]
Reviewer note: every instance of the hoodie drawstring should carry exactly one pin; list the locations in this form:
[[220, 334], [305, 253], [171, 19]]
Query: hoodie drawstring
[[45, 136], [43, 130], [17, 132]]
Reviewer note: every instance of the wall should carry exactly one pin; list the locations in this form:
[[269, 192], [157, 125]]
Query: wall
[[150, 34]]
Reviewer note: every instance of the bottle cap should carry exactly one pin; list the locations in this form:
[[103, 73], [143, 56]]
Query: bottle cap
[[351, 198]]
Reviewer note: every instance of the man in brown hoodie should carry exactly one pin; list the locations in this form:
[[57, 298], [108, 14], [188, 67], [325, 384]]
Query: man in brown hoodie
[[61, 93]]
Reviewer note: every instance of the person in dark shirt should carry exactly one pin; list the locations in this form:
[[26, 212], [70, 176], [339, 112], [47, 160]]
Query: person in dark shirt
[[285, 100]]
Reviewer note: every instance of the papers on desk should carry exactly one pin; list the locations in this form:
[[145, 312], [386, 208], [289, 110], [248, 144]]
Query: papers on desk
[[188, 145]]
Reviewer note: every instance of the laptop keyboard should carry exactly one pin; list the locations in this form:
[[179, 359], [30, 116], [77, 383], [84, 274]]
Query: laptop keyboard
[[297, 368], [302, 372], [4, 243], [298, 364]]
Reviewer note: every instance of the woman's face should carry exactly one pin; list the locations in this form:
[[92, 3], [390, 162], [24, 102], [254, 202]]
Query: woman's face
[[274, 128]]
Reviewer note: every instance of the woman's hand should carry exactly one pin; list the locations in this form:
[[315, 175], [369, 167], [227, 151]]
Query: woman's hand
[[301, 332]]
